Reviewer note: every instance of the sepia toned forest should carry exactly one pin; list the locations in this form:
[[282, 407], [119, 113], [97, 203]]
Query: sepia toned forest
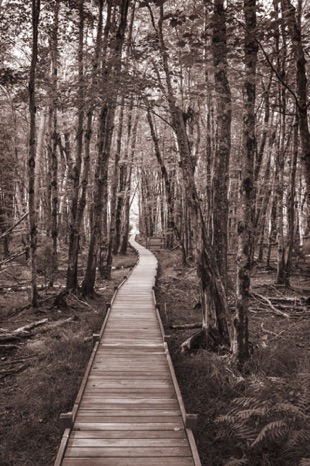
[[184, 120]]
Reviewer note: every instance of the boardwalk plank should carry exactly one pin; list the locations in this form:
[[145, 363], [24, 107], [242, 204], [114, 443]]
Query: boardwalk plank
[[128, 426], [119, 443], [133, 434], [102, 418], [129, 413], [138, 452], [163, 461]]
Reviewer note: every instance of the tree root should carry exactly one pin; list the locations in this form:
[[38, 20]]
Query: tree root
[[60, 300], [209, 339]]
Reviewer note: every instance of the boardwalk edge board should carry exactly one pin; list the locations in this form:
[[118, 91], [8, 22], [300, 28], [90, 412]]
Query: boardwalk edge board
[[129, 390], [190, 420]]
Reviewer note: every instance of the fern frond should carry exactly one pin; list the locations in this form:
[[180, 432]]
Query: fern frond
[[236, 462], [298, 437], [305, 462], [289, 409], [225, 419], [304, 400], [251, 412], [226, 433], [231, 427], [275, 431], [245, 432], [247, 402]]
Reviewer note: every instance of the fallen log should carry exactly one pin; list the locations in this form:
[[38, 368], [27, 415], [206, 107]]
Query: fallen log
[[28, 327], [186, 326], [266, 300], [11, 258], [8, 372], [30, 330]]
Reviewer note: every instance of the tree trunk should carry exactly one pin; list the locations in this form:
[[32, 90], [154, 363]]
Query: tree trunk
[[222, 155], [212, 290], [106, 124], [291, 207], [166, 179], [114, 186], [54, 138], [36, 4], [294, 27], [74, 225], [240, 343], [125, 229], [90, 112]]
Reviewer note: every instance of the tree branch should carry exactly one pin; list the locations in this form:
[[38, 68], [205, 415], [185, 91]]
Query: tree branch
[[7, 232]]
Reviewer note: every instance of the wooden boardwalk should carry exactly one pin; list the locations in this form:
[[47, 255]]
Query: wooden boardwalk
[[129, 410]]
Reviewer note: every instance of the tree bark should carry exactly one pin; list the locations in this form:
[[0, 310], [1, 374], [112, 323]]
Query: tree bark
[[74, 225], [294, 27], [54, 138], [240, 343], [222, 155], [212, 289], [36, 4], [165, 177], [106, 124]]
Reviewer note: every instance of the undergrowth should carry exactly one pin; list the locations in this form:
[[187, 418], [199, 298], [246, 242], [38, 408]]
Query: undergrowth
[[256, 418], [32, 399], [44, 391], [270, 424]]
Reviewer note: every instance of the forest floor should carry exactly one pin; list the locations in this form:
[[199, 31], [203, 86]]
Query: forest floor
[[42, 368], [259, 417]]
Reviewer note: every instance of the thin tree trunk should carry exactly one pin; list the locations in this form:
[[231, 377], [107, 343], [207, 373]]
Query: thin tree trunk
[[166, 179], [125, 230], [222, 156], [291, 207], [39, 157], [106, 124], [36, 4], [294, 27], [240, 343], [74, 225], [89, 122], [212, 290], [54, 138], [114, 186]]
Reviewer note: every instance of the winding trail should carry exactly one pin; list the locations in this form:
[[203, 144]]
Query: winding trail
[[129, 411]]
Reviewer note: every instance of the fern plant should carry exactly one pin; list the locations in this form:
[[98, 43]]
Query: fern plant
[[271, 429]]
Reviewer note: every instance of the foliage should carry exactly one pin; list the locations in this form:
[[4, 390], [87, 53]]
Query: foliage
[[272, 425]]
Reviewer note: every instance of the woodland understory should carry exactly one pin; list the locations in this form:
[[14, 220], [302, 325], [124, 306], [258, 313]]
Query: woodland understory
[[182, 120], [188, 122], [259, 417]]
